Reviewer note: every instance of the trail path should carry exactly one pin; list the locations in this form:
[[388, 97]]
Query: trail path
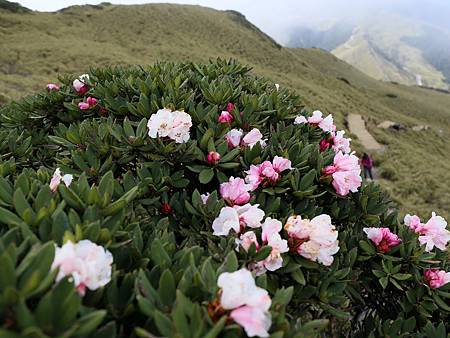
[[357, 126]]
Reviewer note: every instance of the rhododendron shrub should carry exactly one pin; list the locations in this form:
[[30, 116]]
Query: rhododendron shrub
[[196, 200]]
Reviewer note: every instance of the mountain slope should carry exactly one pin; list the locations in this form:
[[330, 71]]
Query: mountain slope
[[35, 47]]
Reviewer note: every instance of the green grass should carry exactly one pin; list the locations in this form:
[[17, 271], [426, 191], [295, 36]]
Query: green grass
[[35, 47]]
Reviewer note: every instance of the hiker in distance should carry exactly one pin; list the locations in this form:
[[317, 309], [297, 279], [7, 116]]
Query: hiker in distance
[[367, 163]]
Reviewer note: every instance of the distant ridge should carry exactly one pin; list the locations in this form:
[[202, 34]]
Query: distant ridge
[[13, 7]]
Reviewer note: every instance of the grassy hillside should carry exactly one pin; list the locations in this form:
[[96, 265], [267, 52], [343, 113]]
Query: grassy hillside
[[35, 47]]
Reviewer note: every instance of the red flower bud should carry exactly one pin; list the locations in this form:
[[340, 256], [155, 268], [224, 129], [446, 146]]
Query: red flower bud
[[213, 158], [166, 209]]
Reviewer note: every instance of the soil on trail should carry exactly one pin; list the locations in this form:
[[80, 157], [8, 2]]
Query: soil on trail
[[357, 126]]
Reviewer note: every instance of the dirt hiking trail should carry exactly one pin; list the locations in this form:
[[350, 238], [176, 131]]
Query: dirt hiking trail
[[357, 126]]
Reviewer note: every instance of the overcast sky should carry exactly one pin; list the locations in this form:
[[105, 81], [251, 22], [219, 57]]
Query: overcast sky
[[276, 17]]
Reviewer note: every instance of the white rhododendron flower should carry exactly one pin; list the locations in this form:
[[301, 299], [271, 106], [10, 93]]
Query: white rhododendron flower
[[87, 264], [274, 261], [300, 120], [248, 303], [57, 178], [246, 240], [250, 215], [172, 124], [316, 238], [228, 219], [234, 137], [253, 137], [271, 226], [204, 197]]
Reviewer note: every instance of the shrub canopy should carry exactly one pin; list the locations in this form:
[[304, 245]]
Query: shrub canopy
[[140, 197]]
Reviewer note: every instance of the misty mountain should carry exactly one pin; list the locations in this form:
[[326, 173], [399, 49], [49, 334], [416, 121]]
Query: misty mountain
[[388, 46]]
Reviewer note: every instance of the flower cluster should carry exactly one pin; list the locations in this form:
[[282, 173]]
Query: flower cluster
[[172, 124], [336, 141], [248, 304], [326, 124], [57, 178], [314, 239], [432, 234], [88, 104], [346, 173], [88, 265], [383, 238], [237, 218], [236, 138], [267, 173], [80, 85]]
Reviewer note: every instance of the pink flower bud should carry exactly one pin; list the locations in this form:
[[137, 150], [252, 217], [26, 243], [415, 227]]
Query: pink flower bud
[[83, 105], [91, 101], [225, 117], [213, 158], [230, 107], [324, 144], [330, 170]]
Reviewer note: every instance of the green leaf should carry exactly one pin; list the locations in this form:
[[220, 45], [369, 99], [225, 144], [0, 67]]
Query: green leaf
[[263, 253], [166, 289], [206, 175]]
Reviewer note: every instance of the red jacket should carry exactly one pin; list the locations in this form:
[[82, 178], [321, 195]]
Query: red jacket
[[367, 162]]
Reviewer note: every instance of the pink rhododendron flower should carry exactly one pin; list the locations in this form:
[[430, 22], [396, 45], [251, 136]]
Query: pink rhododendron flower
[[413, 222], [269, 227], [52, 86], [434, 233], [281, 164], [249, 304], [327, 124], [341, 143], [80, 84], [213, 158], [230, 107], [316, 117], [314, 239], [252, 137], [88, 265], [383, 238], [346, 173], [172, 124], [250, 215], [246, 240], [228, 219], [255, 322], [235, 191], [225, 117], [57, 178], [234, 137], [267, 172], [436, 278]]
